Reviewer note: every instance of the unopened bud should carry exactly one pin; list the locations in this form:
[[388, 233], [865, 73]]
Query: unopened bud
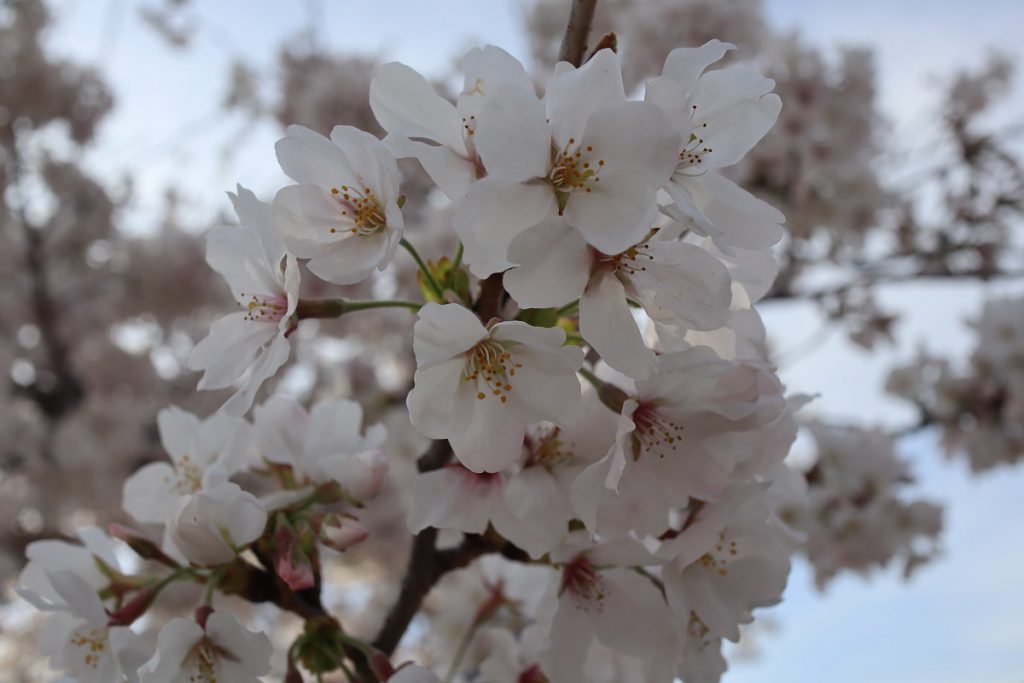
[[341, 532], [292, 565], [133, 609], [203, 613]]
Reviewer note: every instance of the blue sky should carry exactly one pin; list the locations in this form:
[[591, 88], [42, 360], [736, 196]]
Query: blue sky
[[958, 621]]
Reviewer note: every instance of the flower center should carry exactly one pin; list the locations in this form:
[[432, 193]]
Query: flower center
[[654, 431], [629, 262], [718, 560], [490, 364], [547, 449], [92, 641], [472, 156], [362, 208], [572, 171], [187, 477], [264, 309], [691, 157], [584, 584]]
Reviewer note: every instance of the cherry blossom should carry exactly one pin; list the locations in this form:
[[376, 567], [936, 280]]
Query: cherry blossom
[[344, 214], [220, 650], [323, 445], [265, 282], [677, 283], [424, 125], [720, 115], [480, 387], [203, 454], [583, 153], [209, 527]]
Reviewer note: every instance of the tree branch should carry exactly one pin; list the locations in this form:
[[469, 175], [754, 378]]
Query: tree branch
[[574, 43]]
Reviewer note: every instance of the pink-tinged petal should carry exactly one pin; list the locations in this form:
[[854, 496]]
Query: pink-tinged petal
[[535, 496], [492, 214], [588, 489], [493, 438], [258, 217], [637, 136], [309, 158], [570, 637], [554, 265], [685, 209], [684, 285], [310, 219], [352, 259], [251, 648], [744, 220], [489, 70], [738, 108], [608, 325], [148, 495], [177, 429], [130, 651], [441, 403], [685, 64], [451, 172], [268, 360], [444, 331], [406, 104], [617, 213], [512, 136], [229, 349], [572, 94]]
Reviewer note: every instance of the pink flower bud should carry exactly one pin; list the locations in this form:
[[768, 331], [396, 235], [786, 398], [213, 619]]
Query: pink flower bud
[[292, 565], [341, 532]]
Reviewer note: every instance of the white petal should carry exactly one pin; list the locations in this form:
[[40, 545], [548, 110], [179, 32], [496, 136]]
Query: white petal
[[353, 259], [493, 437], [637, 136], [687, 282], [147, 493], [228, 350], [572, 94], [554, 265], [444, 331], [608, 325], [309, 158], [617, 213], [489, 70], [440, 403], [310, 219], [685, 64], [512, 136], [177, 430], [268, 361], [406, 104], [492, 214], [173, 643], [452, 498], [451, 172], [250, 648], [738, 108]]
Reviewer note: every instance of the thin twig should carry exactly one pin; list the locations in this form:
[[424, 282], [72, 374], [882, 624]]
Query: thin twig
[[574, 43]]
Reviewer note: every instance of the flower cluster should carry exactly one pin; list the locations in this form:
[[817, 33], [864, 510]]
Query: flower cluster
[[856, 516], [588, 364], [980, 408]]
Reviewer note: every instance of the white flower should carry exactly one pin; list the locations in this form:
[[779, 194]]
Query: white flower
[[597, 596], [584, 153], [265, 282], [343, 215], [203, 454], [480, 387], [76, 635], [677, 283], [453, 497], [209, 526], [720, 115], [224, 651], [52, 555], [697, 425], [422, 124], [323, 445], [733, 558]]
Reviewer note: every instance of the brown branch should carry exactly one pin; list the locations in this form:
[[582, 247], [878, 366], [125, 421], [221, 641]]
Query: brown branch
[[574, 43]]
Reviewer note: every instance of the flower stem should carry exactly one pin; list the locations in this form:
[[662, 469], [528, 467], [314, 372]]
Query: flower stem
[[458, 255], [335, 308], [431, 282], [569, 308], [594, 380]]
